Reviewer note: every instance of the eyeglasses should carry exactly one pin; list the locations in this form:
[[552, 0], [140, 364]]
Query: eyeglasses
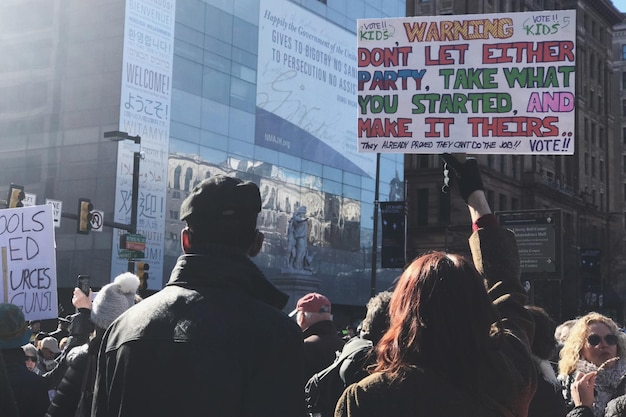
[[609, 339], [31, 358]]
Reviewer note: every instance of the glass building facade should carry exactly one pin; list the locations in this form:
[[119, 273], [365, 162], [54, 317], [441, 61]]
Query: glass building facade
[[263, 90]]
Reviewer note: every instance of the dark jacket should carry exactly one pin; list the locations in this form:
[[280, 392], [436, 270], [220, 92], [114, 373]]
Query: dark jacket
[[321, 344], [29, 389], [213, 342], [80, 330], [80, 363], [511, 378]]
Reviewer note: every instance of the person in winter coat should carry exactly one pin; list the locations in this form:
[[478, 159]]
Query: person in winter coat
[[214, 341], [112, 300], [321, 341], [596, 346], [455, 348], [26, 391]]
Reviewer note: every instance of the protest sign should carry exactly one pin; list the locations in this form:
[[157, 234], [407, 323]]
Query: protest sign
[[28, 260], [492, 83]]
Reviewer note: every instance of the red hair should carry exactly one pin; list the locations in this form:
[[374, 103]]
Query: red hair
[[440, 317]]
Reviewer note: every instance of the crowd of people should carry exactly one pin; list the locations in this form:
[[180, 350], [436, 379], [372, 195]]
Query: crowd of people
[[455, 337]]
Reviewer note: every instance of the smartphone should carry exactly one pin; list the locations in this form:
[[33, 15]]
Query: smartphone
[[83, 284]]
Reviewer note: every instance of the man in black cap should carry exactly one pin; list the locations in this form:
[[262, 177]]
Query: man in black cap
[[214, 341]]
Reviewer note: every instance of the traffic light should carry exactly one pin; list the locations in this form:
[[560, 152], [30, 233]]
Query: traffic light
[[142, 267], [84, 216], [16, 195]]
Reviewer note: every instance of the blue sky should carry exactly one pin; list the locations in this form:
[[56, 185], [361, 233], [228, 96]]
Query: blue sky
[[620, 4]]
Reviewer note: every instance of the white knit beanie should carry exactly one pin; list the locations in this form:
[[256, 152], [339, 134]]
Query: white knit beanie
[[114, 299]]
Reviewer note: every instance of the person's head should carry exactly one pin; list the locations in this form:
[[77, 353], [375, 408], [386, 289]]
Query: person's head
[[49, 348], [311, 309], [14, 331], [440, 316], [30, 352], [39, 337], [222, 210], [595, 338], [376, 320], [544, 343], [63, 343], [114, 299], [562, 330]]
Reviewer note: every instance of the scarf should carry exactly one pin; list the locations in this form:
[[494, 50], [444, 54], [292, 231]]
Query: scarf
[[607, 381]]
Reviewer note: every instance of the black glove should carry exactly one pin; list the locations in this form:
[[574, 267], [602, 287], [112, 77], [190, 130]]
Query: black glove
[[467, 174]]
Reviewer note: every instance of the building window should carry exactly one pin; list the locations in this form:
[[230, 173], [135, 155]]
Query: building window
[[593, 166], [601, 170], [514, 204], [586, 163], [601, 138], [422, 207], [624, 135], [502, 202], [624, 52]]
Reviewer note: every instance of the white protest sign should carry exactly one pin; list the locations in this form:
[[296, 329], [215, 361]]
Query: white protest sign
[[28, 261], [57, 209], [491, 83]]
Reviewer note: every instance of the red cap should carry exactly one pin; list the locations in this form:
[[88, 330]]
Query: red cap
[[312, 303]]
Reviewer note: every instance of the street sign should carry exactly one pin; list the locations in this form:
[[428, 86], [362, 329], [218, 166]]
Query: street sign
[[537, 233], [133, 242], [97, 220], [57, 209], [131, 254], [30, 199]]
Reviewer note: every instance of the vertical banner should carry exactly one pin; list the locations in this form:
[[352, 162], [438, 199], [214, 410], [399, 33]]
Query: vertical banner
[[145, 111], [28, 261], [492, 83], [393, 234]]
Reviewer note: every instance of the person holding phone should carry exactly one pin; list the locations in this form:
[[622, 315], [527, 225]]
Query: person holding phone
[[73, 395]]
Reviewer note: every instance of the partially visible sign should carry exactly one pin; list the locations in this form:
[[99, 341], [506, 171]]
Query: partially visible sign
[[131, 254], [57, 209], [536, 234], [29, 199], [28, 261]]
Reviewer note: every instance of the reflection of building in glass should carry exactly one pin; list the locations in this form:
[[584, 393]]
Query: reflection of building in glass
[[232, 111]]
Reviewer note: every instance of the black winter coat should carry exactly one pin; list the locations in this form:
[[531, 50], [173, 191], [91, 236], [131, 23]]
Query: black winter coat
[[68, 393], [213, 342], [321, 347]]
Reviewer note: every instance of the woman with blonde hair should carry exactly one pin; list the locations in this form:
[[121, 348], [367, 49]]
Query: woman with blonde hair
[[595, 345]]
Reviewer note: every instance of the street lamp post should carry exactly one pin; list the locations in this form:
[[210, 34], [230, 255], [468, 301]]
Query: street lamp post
[[117, 136]]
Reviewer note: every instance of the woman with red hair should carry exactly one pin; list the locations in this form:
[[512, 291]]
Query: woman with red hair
[[459, 337]]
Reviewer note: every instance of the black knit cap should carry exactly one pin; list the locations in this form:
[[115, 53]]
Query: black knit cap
[[220, 198]]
